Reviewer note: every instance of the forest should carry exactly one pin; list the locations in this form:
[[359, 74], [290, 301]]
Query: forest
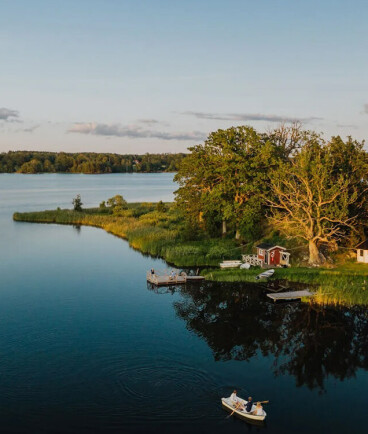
[[86, 162], [288, 182]]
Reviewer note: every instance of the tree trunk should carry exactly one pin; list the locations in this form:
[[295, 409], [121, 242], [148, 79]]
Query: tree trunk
[[315, 258], [223, 228], [237, 234]]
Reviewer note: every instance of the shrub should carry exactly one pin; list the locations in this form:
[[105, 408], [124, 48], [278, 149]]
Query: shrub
[[77, 203]]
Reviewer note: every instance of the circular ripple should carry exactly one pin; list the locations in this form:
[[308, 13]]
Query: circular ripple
[[161, 391]]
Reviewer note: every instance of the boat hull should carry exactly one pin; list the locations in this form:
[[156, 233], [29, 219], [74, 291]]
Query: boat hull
[[265, 274], [230, 264], [226, 404]]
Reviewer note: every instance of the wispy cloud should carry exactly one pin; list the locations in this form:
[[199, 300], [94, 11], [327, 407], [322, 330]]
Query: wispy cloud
[[248, 117], [149, 121], [8, 115], [133, 132], [28, 129], [347, 126]]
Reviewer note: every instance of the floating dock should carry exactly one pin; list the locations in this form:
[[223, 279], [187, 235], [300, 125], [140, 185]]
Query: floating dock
[[292, 295], [168, 279]]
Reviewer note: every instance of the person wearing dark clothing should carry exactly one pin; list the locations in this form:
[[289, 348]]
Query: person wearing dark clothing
[[249, 405]]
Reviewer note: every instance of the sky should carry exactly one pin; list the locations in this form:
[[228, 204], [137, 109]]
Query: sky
[[137, 76]]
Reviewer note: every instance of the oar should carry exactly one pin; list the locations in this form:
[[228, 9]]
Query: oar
[[237, 406]]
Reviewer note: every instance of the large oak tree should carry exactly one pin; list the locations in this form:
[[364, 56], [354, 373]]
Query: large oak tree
[[320, 194]]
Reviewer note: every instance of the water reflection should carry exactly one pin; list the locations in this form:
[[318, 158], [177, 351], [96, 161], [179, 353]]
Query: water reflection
[[77, 228], [307, 341]]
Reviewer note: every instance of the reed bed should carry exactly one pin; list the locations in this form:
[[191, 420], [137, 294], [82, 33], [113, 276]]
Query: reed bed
[[148, 230], [163, 234]]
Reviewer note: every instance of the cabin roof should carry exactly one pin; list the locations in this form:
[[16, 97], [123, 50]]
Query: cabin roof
[[267, 246], [363, 245]]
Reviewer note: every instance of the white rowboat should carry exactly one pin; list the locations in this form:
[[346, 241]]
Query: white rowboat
[[229, 405], [265, 274], [230, 264]]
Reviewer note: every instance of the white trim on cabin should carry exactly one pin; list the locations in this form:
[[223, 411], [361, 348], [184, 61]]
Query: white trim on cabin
[[362, 256], [276, 247]]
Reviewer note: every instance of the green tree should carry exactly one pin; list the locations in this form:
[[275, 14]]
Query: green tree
[[319, 194], [160, 207], [48, 166], [33, 166], [117, 203], [77, 203], [225, 178]]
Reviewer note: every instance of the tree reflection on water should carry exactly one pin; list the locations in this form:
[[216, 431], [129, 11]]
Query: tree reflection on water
[[308, 341]]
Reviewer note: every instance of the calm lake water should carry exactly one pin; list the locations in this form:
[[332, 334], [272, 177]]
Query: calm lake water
[[87, 346]]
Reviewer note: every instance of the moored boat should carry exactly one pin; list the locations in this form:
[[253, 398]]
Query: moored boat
[[230, 406], [265, 274], [230, 264]]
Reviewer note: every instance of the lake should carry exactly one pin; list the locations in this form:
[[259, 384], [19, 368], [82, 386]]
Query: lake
[[87, 346]]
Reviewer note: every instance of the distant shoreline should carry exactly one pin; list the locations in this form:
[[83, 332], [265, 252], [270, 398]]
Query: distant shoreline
[[89, 163], [82, 173]]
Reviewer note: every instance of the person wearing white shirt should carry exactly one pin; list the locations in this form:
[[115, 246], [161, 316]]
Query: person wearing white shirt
[[259, 410], [233, 397]]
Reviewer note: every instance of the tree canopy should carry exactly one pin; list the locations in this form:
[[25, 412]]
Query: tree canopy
[[224, 179], [288, 179]]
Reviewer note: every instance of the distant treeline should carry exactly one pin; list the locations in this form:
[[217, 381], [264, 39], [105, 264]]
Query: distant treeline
[[86, 162]]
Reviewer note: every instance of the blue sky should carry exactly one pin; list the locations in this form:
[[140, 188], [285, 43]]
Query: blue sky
[[159, 75]]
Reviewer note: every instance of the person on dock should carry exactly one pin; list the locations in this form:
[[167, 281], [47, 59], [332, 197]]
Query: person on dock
[[172, 275], [152, 272]]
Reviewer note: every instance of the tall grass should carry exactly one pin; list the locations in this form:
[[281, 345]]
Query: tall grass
[[345, 285], [148, 230], [164, 234]]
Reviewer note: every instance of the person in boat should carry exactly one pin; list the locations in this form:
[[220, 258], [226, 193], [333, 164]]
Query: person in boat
[[249, 405], [234, 397], [238, 405], [259, 410]]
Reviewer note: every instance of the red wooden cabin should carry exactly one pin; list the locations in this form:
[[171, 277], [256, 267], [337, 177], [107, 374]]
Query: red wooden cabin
[[273, 255]]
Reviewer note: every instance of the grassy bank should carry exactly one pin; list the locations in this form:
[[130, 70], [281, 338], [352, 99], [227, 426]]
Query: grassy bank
[[346, 284], [163, 233], [158, 233]]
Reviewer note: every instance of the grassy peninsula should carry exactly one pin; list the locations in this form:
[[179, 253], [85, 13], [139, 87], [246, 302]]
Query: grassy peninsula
[[159, 229], [155, 229]]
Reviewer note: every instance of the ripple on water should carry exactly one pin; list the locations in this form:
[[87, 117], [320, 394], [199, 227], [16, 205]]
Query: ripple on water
[[160, 390]]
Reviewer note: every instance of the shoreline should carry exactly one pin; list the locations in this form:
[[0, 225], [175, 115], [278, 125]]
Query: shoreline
[[159, 234]]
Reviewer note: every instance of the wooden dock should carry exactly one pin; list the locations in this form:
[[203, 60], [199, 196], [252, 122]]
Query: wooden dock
[[291, 295], [169, 279], [194, 278]]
